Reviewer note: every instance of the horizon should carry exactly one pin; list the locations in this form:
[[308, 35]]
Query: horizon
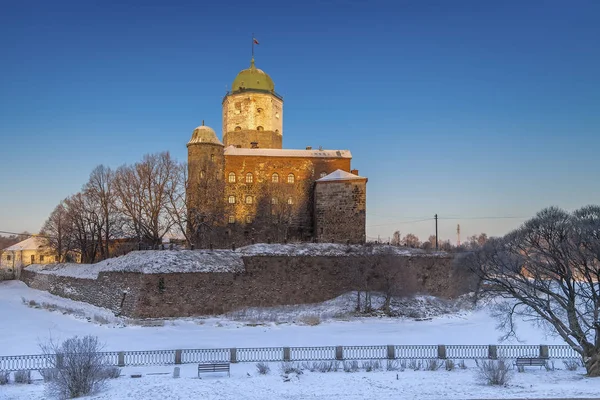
[[481, 113]]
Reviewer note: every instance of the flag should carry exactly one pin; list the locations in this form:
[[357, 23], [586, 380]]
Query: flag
[[255, 41]]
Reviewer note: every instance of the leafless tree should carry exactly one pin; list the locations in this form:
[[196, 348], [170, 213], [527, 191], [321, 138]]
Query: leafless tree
[[411, 240], [55, 231], [548, 271], [396, 239], [143, 195]]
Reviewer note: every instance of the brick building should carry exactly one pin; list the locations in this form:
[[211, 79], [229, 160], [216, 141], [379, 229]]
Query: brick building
[[248, 188]]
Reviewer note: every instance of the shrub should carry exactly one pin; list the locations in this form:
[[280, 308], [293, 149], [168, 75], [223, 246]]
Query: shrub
[[80, 367], [4, 377], [111, 372], [23, 377], [571, 365], [263, 368], [449, 365], [288, 367], [311, 320], [462, 364], [49, 374], [494, 372], [403, 365], [415, 365], [392, 365], [549, 365], [101, 320], [327, 366], [350, 366], [432, 365], [372, 365]]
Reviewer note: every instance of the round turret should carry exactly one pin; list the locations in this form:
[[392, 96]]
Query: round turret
[[204, 134], [252, 79]]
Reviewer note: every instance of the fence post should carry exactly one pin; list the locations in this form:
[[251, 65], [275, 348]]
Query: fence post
[[60, 358], [544, 353], [492, 351], [177, 356], [339, 353], [441, 351], [121, 359], [286, 354], [233, 355], [391, 352]]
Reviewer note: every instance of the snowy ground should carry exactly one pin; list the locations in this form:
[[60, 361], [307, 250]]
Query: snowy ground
[[24, 327]]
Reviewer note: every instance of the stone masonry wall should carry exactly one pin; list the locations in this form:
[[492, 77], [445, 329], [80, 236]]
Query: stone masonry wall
[[340, 211], [266, 281]]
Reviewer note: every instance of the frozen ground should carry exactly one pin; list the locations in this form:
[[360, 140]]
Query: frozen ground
[[23, 327]]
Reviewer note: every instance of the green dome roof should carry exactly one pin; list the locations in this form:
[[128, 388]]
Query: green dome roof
[[253, 78]]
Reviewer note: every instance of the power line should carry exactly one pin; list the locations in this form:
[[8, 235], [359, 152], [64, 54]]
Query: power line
[[24, 234], [402, 222]]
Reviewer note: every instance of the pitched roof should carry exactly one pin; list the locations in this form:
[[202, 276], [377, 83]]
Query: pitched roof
[[339, 175], [32, 243], [234, 151]]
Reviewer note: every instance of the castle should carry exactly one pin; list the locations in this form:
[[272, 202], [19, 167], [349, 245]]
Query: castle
[[249, 189]]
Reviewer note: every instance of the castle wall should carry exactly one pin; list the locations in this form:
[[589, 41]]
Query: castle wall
[[253, 116], [266, 281], [340, 211], [265, 218]]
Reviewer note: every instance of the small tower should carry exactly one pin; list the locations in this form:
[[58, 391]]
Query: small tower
[[253, 112], [204, 194]]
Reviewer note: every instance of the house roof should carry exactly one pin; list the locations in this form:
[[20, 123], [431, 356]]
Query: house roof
[[32, 243], [339, 175], [234, 151]]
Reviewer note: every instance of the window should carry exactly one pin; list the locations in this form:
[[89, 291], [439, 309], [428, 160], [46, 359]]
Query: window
[[55, 258], [259, 110], [231, 199], [8, 258], [32, 258], [260, 128], [249, 177], [275, 178], [41, 259], [231, 219], [202, 174], [276, 130], [248, 199], [290, 201], [291, 178], [238, 128], [274, 200], [323, 174], [212, 157], [231, 177], [248, 219]]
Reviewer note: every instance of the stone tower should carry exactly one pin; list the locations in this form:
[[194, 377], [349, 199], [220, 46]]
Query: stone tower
[[253, 112], [205, 187]]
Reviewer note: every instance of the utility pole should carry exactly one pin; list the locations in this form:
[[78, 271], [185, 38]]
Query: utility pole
[[458, 235], [436, 233]]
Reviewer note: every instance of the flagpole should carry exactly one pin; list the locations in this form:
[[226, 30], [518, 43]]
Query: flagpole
[[252, 45]]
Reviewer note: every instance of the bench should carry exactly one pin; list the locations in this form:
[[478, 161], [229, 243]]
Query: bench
[[213, 367], [530, 362]]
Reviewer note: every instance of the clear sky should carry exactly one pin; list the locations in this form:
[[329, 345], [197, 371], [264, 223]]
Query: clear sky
[[466, 109]]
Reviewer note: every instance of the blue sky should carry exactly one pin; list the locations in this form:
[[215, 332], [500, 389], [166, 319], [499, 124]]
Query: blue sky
[[466, 109]]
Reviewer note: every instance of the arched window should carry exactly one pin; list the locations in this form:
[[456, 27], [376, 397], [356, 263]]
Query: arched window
[[231, 219], [275, 178], [202, 174], [238, 128], [290, 201], [323, 174], [259, 110], [274, 200], [291, 178], [276, 130], [260, 128], [248, 199], [248, 219], [231, 199], [231, 177], [212, 157], [249, 177]]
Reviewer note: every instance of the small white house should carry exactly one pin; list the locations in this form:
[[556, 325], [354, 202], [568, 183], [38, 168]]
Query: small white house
[[30, 251]]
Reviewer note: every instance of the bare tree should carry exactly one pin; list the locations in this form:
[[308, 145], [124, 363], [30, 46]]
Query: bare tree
[[411, 240], [396, 239], [548, 271], [55, 231]]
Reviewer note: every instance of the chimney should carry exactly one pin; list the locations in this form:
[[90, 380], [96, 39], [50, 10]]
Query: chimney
[[254, 145], [354, 171], [308, 147]]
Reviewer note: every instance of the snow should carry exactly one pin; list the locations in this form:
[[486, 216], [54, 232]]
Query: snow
[[328, 249], [234, 151], [32, 243], [25, 327], [151, 262], [339, 175]]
